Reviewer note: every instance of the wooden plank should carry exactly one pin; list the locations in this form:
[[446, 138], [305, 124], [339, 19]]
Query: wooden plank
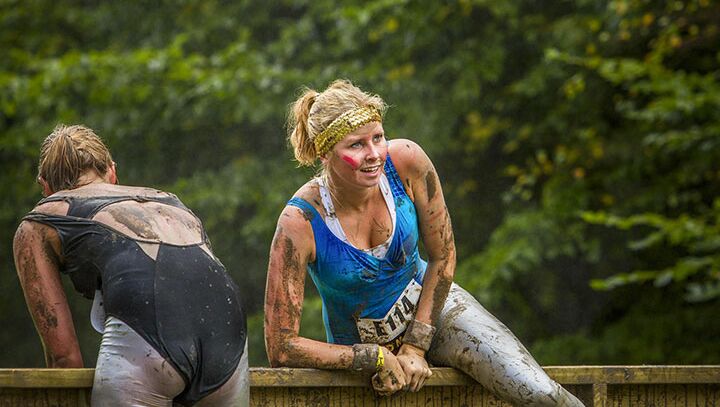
[[599, 394], [288, 377], [450, 377], [634, 374], [285, 377], [630, 395], [46, 378], [12, 397]]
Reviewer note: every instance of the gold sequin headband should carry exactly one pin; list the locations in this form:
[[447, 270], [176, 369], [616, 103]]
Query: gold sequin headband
[[343, 125]]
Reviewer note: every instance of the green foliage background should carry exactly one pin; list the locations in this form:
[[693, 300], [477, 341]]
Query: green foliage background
[[578, 143]]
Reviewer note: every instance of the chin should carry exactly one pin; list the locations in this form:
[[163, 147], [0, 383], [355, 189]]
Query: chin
[[372, 182]]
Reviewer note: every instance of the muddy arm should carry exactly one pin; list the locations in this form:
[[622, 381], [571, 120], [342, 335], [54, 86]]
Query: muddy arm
[[36, 248], [291, 251], [423, 185]]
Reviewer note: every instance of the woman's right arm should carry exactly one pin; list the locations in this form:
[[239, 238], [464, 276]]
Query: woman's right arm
[[36, 248], [293, 247], [291, 251]]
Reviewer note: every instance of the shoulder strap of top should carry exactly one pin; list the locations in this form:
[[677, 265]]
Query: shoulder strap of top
[[88, 207], [53, 199], [310, 212], [63, 225], [396, 184]]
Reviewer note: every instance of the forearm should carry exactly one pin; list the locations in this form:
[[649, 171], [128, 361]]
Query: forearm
[[72, 359], [436, 286], [303, 352], [57, 334]]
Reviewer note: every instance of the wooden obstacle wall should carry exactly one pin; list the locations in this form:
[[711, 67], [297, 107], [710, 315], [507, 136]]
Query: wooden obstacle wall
[[596, 385]]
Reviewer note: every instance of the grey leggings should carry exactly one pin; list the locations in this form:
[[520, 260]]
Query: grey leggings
[[471, 339], [130, 372]]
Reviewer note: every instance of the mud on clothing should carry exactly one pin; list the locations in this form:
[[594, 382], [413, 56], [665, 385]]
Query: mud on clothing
[[183, 302], [367, 298], [356, 287]]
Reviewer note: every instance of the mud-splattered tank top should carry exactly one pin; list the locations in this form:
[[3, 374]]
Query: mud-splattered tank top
[[366, 298]]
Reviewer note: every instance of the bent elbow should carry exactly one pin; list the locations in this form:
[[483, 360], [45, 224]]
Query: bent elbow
[[278, 359], [277, 352], [70, 361]]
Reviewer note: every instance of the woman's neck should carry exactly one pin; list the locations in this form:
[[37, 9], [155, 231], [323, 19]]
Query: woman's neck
[[89, 177], [348, 197]]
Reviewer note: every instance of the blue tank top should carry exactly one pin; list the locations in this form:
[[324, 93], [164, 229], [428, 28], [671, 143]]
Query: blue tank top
[[365, 298]]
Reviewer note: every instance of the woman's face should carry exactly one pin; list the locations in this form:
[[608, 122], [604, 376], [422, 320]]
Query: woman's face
[[358, 159]]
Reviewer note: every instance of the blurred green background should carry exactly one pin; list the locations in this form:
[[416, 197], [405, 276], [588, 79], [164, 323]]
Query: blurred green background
[[578, 143]]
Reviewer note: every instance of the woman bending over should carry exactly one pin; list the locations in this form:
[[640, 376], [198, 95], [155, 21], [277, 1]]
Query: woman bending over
[[171, 317]]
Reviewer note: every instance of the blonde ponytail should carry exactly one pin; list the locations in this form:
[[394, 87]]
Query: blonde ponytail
[[301, 134], [68, 152]]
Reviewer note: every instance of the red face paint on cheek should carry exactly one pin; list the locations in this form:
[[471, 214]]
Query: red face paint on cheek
[[350, 161]]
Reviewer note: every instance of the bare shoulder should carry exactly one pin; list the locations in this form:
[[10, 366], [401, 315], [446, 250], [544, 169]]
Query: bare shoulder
[[34, 237], [52, 208], [296, 221], [310, 193], [409, 158], [294, 230]]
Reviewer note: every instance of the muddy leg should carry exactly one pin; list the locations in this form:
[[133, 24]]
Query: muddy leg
[[473, 340], [236, 391], [130, 372]]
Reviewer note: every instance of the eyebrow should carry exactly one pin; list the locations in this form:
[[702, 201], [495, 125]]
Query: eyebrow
[[358, 138]]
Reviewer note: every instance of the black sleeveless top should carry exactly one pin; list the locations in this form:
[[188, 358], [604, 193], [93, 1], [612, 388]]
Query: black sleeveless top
[[183, 302]]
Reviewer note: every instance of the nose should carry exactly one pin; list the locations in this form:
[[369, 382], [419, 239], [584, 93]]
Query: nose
[[373, 152]]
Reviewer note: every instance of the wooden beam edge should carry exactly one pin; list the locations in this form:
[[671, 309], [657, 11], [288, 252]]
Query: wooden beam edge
[[643, 374], [289, 377]]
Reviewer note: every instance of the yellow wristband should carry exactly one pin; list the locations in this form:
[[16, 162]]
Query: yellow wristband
[[380, 360]]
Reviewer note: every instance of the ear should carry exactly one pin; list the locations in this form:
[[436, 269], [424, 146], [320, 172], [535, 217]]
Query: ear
[[111, 175], [45, 186]]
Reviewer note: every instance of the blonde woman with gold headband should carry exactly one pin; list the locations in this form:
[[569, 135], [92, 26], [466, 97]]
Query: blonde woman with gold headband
[[355, 228]]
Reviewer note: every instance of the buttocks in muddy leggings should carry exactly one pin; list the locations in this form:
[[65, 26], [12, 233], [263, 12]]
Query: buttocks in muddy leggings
[[179, 298]]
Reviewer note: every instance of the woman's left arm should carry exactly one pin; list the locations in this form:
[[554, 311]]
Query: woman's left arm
[[35, 249], [423, 184]]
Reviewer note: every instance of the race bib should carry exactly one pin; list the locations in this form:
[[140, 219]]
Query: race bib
[[387, 328]]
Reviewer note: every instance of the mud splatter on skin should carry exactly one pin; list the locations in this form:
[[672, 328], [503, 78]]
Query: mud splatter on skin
[[44, 315], [379, 385], [291, 315], [290, 260], [286, 315], [439, 295], [447, 235], [364, 357], [135, 219], [381, 229], [446, 256], [431, 184], [308, 215]]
